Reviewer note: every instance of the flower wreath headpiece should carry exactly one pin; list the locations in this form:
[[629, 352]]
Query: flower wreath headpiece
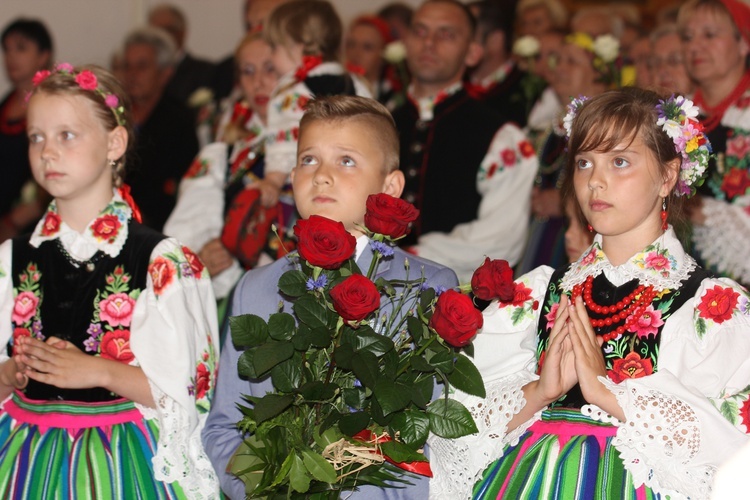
[[87, 81], [605, 50], [677, 117]]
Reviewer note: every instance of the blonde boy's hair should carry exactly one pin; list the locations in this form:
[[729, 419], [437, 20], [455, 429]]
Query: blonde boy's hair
[[312, 23], [341, 108]]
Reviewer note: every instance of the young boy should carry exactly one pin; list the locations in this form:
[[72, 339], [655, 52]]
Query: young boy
[[348, 150]]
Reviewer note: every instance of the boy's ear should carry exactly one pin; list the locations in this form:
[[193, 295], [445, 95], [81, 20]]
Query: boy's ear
[[670, 179], [118, 143], [394, 183]]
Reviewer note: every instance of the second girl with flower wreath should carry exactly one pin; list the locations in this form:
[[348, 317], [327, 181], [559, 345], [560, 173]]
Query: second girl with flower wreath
[[110, 327], [625, 374]]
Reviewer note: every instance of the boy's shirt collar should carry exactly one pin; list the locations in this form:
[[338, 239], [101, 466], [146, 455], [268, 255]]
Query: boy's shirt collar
[[107, 232]]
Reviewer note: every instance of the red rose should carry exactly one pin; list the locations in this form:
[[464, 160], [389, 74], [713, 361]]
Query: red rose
[[455, 318], [718, 304], [520, 295], [355, 297], [51, 224], [86, 80], [631, 366], [162, 273], [389, 216], [527, 150], [106, 227], [736, 182], [323, 242], [195, 262], [493, 280], [202, 381], [116, 346]]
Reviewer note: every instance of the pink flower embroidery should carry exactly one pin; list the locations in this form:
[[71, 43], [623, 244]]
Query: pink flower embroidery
[[738, 146], [589, 258], [551, 315], [648, 323], [24, 307], [657, 261], [117, 309]]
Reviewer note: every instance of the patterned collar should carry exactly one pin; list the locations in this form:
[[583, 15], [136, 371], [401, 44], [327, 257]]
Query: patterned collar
[[497, 76], [662, 264], [107, 232], [426, 105]]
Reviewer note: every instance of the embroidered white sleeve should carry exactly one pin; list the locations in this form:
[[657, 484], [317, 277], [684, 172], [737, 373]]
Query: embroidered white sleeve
[[725, 237], [458, 463], [658, 441], [176, 459]]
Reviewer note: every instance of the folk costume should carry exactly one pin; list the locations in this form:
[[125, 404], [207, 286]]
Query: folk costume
[[509, 90], [680, 371], [470, 174], [122, 292]]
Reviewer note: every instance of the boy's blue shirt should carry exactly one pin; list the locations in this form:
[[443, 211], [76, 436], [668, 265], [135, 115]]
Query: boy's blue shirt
[[257, 293]]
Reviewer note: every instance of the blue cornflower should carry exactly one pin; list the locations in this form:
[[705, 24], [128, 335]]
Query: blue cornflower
[[321, 282], [383, 249]]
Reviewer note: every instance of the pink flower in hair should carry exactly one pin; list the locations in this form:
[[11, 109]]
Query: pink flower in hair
[[39, 77], [67, 67], [86, 80], [111, 100]]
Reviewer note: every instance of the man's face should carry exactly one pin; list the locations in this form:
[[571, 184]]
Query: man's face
[[437, 43], [144, 79]]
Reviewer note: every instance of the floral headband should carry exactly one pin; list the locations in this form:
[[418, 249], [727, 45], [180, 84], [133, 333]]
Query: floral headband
[[677, 117], [87, 81], [606, 52]]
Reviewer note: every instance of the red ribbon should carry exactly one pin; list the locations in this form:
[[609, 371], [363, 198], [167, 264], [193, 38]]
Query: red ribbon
[[421, 468], [124, 191], [308, 63], [355, 69]]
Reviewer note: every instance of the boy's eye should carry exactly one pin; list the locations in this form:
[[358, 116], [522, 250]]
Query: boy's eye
[[35, 138], [307, 160], [582, 164], [347, 161], [621, 162]]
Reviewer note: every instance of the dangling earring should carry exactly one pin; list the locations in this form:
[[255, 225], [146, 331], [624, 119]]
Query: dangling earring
[[112, 163], [590, 228], [664, 224]]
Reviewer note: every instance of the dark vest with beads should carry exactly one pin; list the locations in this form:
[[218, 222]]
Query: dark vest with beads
[[68, 295], [440, 159]]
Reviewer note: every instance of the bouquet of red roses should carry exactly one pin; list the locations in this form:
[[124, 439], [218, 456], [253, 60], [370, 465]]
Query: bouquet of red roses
[[354, 365]]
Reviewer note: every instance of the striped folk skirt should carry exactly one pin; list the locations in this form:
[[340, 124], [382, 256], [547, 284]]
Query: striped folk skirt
[[565, 455], [71, 450]]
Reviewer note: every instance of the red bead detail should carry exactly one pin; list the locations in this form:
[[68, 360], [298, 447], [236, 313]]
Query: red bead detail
[[664, 224]]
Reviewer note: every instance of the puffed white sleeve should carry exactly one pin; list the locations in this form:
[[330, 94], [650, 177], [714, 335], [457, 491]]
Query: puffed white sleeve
[[6, 297], [685, 420], [504, 180], [174, 337], [505, 354], [724, 238]]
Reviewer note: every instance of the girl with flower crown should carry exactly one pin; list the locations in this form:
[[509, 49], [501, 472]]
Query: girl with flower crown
[[625, 374], [305, 36], [110, 327]]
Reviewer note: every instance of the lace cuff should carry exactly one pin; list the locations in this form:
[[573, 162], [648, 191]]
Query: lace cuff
[[724, 238], [180, 456], [658, 441], [458, 463]]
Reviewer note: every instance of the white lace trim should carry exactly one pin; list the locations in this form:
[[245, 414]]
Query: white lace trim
[[724, 238], [593, 262], [596, 413], [658, 442], [180, 456], [458, 463]]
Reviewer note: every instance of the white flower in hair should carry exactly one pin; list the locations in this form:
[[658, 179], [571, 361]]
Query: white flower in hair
[[606, 47], [573, 106], [526, 46]]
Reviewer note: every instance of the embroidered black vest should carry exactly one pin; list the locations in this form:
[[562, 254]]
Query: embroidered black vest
[[69, 297], [440, 160], [631, 355]]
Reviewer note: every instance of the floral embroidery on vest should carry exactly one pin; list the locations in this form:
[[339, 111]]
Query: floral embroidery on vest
[[26, 305], [109, 333]]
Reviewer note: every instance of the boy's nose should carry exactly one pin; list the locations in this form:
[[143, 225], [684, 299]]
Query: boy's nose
[[322, 175]]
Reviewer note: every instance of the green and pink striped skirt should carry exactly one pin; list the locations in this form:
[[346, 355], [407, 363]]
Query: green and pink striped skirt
[[565, 455], [72, 450]]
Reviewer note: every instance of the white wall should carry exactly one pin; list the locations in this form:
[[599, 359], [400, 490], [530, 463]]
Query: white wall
[[88, 31]]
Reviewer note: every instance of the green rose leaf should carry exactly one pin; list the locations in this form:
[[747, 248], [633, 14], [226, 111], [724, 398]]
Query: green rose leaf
[[466, 377], [450, 419], [443, 361], [301, 340], [426, 298], [365, 367], [245, 366], [299, 478], [420, 364], [354, 422], [413, 427], [354, 397], [271, 405], [281, 326], [293, 283], [271, 354], [248, 330], [421, 394], [317, 391], [399, 452], [319, 467], [311, 312], [320, 337], [286, 376], [343, 356], [391, 396], [365, 339]]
